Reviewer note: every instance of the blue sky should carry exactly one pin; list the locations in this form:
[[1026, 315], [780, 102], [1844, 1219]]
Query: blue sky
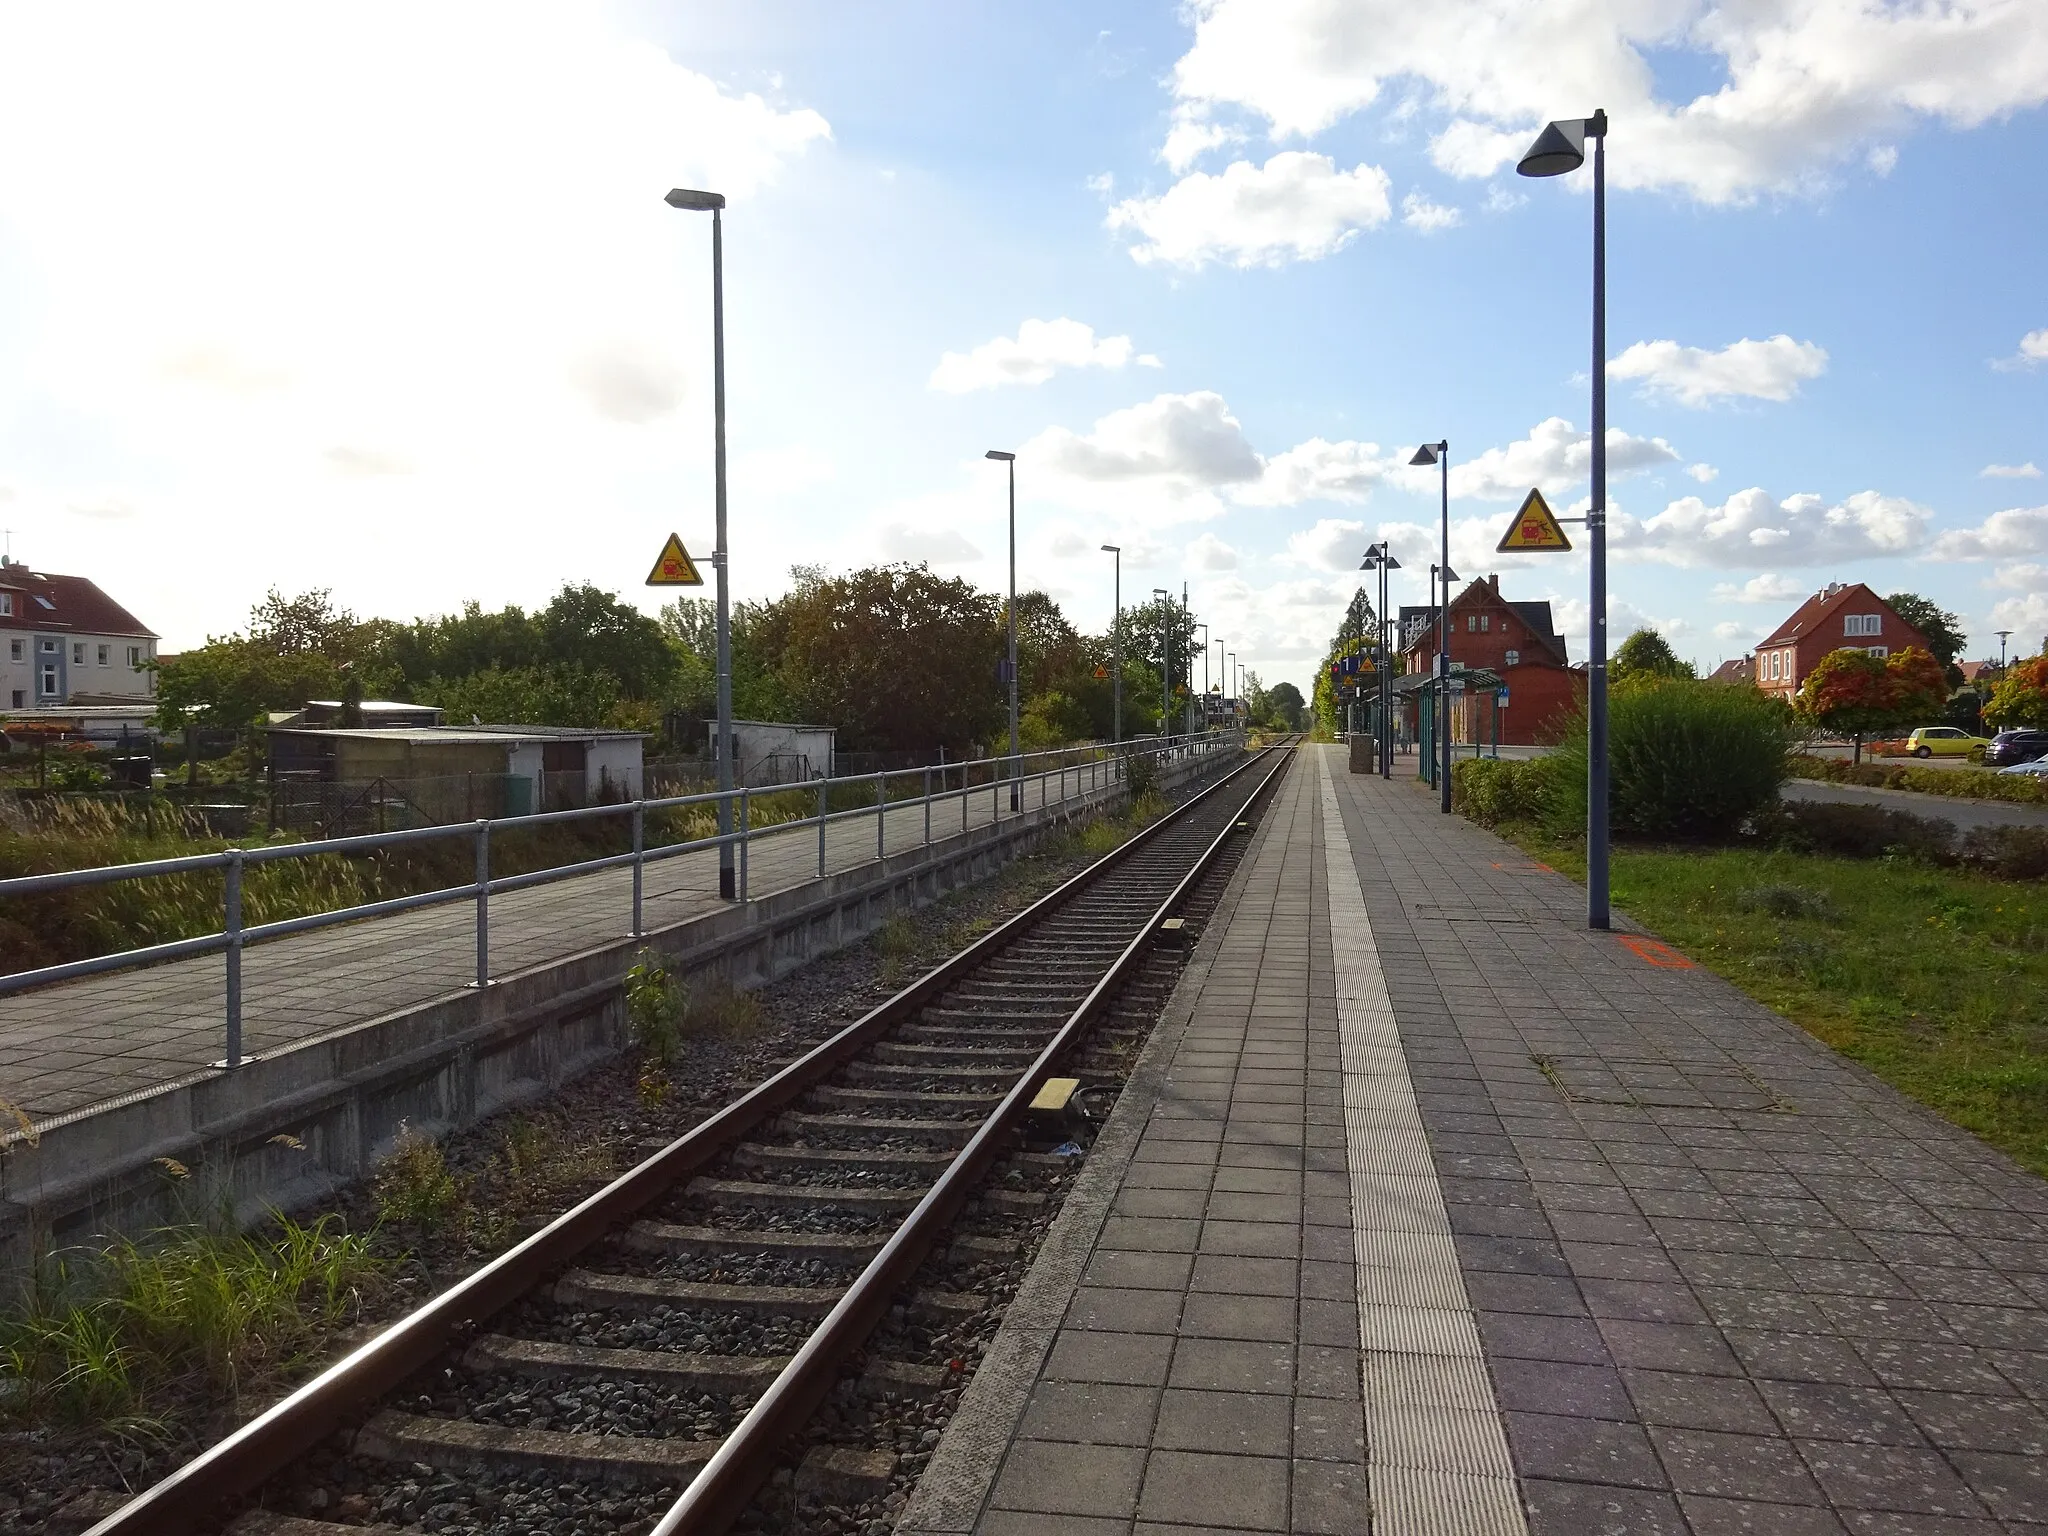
[[390, 303]]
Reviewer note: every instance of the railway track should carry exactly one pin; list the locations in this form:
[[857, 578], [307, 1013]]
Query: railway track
[[681, 1328]]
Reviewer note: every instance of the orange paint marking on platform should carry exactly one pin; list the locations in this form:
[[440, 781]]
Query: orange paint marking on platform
[[1663, 956], [1516, 869]]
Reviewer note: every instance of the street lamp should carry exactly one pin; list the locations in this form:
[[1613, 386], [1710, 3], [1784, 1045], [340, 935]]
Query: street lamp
[[714, 204], [1381, 559], [1205, 677], [1165, 657], [1116, 646], [1440, 453], [2001, 653], [1559, 149], [1016, 789]]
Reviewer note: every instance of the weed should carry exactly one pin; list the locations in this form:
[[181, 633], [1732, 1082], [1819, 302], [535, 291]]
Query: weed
[[1788, 901], [723, 1010], [1141, 775], [537, 1162], [655, 1002], [896, 941], [415, 1185], [652, 1086]]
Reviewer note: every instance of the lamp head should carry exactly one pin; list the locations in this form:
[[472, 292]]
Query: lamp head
[[1426, 454], [1390, 562], [997, 453], [1112, 549], [1450, 576], [1559, 148], [701, 202]]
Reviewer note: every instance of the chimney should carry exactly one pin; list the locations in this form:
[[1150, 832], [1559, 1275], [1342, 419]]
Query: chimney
[[1493, 582]]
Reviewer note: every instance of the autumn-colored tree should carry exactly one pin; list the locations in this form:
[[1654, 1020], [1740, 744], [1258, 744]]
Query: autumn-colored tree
[[1855, 694], [2021, 698]]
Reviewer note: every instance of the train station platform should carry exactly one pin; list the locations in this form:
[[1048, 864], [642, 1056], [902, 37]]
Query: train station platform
[[1429, 1210]]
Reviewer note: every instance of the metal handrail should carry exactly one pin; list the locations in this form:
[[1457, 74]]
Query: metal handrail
[[1104, 761]]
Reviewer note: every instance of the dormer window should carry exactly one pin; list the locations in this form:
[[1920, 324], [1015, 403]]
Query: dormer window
[[46, 603], [6, 605]]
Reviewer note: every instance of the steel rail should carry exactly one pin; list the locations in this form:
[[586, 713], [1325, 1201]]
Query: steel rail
[[720, 1491], [269, 1442]]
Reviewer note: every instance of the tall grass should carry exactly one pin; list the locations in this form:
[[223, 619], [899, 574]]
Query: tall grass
[[103, 1334]]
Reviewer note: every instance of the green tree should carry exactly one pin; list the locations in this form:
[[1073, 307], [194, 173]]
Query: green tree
[[1647, 654], [587, 627], [231, 682], [1944, 632], [1284, 706], [2021, 698], [556, 693]]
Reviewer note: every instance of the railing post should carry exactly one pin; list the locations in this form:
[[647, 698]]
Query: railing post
[[824, 805], [234, 932], [483, 903], [927, 806], [881, 813], [746, 838], [639, 859]]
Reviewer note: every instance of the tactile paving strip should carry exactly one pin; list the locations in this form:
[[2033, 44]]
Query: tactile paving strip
[[1436, 1451]]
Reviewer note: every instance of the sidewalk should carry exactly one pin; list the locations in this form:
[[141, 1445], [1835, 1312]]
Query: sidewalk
[[1718, 1278]]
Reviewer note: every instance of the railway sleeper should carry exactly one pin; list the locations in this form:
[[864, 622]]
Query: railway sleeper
[[950, 1133], [643, 1293], [756, 1154], [1032, 1038], [831, 1096], [891, 1071], [460, 1445], [1009, 1055], [1046, 1015], [837, 1197], [671, 1238], [545, 1360], [268, 1522]]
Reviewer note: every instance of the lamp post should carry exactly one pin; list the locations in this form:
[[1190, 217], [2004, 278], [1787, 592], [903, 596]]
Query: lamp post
[[1181, 637], [714, 204], [1205, 677], [1559, 149], [1116, 646], [2001, 653], [1165, 658], [1381, 559], [1440, 453], [1016, 789]]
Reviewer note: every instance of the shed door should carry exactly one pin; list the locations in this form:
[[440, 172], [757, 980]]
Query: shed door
[[562, 756]]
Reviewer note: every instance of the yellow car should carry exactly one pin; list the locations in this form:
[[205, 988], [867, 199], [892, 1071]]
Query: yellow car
[[1944, 741]]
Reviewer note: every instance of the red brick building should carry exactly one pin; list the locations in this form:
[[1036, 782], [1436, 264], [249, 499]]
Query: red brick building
[[1842, 616], [1520, 642]]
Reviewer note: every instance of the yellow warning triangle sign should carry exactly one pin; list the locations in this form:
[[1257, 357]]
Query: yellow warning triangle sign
[[674, 568], [1534, 529]]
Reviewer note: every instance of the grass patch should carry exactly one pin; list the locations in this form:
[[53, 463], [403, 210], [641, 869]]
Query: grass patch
[[1935, 979]]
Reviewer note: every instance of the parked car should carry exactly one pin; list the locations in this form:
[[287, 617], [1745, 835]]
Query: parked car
[[2022, 745], [1943, 741]]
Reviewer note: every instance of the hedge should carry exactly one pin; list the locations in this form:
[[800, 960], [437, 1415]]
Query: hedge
[[1964, 783]]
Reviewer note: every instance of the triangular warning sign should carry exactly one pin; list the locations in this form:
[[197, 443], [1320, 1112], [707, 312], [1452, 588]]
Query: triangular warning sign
[[674, 568], [1534, 529]]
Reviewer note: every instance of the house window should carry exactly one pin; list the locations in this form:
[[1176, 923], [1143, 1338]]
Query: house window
[[49, 680], [1878, 650], [1471, 623], [135, 657], [17, 650], [6, 605], [20, 699], [1862, 623], [1485, 622], [48, 647], [1514, 658], [106, 654], [78, 653]]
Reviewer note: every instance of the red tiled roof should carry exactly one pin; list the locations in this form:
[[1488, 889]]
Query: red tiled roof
[[1824, 602], [70, 604]]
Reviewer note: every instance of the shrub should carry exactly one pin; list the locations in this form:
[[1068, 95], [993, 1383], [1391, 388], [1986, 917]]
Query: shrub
[[1962, 783], [1141, 774], [655, 1002], [414, 1185], [1687, 759], [1492, 790], [1854, 831]]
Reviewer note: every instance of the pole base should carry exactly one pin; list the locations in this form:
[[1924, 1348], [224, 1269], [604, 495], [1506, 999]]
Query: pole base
[[224, 1065], [728, 883]]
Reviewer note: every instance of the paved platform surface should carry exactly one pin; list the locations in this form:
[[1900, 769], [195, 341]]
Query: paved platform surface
[[68, 1047], [1663, 1263]]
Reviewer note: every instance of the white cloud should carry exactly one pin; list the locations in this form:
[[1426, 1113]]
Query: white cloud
[[1191, 137], [1039, 350], [2026, 471], [1883, 159], [934, 546], [1806, 85], [1333, 544], [1318, 471], [1706, 474], [1751, 527], [1769, 588], [1418, 212], [2033, 351], [1758, 370], [1731, 629], [2026, 616], [1209, 553], [1186, 443], [2015, 531], [1554, 453], [627, 381], [1296, 207], [347, 459], [2019, 578], [781, 471]]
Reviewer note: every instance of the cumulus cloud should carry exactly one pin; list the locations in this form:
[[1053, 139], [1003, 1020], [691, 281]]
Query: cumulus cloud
[[1418, 212], [1319, 471], [1039, 350], [2026, 471], [934, 546], [1185, 443], [1209, 553], [2019, 578], [2027, 616], [1757, 370], [1706, 474], [1191, 137], [626, 382], [2033, 351], [1769, 588], [1333, 544], [2015, 531], [1752, 527], [1554, 453], [1801, 89], [1296, 207]]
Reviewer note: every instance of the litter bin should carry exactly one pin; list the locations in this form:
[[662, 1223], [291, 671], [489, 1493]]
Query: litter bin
[[1361, 754]]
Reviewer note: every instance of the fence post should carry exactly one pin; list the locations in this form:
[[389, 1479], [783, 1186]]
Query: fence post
[[234, 933], [927, 807], [824, 805], [483, 903], [746, 838], [639, 859], [881, 804]]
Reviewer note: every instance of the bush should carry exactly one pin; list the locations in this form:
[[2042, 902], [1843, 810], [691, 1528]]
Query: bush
[[1688, 760], [1960, 783], [1788, 901], [1491, 790], [1854, 831]]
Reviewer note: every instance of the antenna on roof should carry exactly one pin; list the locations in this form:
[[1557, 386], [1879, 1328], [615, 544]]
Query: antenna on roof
[[8, 534]]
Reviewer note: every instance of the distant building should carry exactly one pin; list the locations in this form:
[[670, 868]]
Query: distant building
[[68, 644], [1741, 670], [1519, 642], [1841, 616]]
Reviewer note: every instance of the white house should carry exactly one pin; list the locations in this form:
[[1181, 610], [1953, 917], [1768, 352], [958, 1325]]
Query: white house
[[65, 643]]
